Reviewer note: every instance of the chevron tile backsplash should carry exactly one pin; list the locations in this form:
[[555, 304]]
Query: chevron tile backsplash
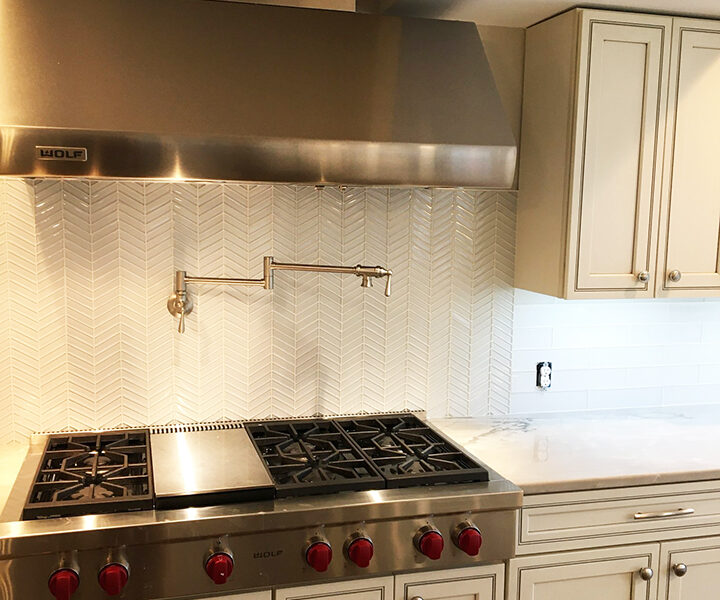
[[86, 268]]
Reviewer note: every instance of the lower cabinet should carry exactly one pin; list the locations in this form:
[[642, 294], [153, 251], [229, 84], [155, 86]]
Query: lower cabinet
[[622, 573], [378, 588], [475, 583], [690, 570]]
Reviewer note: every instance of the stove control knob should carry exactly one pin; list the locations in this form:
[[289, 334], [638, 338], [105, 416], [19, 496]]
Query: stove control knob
[[430, 542], [360, 551], [468, 538], [219, 567], [63, 583], [318, 555], [112, 578]]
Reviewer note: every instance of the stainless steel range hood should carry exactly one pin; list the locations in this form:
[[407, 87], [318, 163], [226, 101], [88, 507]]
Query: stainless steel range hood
[[208, 90]]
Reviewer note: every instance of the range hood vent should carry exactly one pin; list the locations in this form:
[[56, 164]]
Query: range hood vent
[[208, 90]]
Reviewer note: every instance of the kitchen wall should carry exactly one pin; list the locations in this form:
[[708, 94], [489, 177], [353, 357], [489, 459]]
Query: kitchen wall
[[615, 353], [86, 268]]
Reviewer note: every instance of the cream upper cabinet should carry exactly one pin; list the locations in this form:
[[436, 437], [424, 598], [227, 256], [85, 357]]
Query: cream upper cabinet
[[592, 141], [623, 573], [689, 261], [691, 570]]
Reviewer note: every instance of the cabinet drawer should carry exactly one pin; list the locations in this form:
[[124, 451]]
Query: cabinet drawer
[[586, 520]]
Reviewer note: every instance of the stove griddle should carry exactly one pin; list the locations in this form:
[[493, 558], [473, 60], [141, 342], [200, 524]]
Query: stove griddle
[[312, 457], [408, 452], [92, 473]]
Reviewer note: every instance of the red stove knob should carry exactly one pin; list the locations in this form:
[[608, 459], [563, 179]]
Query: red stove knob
[[469, 540], [318, 556], [360, 551], [63, 583], [219, 567], [431, 544], [112, 578]]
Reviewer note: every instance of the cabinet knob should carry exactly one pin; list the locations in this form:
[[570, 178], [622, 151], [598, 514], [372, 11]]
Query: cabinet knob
[[646, 573], [417, 598], [643, 276], [675, 276], [680, 569]]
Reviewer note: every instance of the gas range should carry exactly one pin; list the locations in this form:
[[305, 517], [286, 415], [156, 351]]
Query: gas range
[[199, 510]]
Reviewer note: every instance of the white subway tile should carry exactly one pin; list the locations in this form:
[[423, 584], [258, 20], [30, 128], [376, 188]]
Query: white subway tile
[[526, 338], [691, 394], [628, 398], [550, 401]]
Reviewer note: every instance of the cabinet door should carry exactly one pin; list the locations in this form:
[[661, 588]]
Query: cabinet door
[[701, 559], [690, 216], [618, 156], [378, 588], [606, 574], [474, 583]]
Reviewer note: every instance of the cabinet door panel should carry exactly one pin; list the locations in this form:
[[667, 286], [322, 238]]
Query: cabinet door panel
[[690, 235], [702, 580], [378, 588], [623, 100], [607, 574], [474, 583]]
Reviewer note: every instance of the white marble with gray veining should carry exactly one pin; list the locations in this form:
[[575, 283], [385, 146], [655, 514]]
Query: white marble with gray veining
[[599, 449]]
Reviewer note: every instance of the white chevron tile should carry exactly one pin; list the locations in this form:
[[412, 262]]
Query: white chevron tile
[[86, 269], [186, 236], [397, 325], [352, 373], [503, 306], [308, 303], [419, 301], [79, 327], [236, 330], [442, 228], [52, 340], [212, 351], [283, 351], [260, 317], [330, 304], [18, 287], [108, 312]]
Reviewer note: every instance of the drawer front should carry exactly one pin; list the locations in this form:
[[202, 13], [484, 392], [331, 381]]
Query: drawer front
[[587, 520]]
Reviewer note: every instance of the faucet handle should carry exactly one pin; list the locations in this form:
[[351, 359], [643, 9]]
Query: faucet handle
[[387, 283]]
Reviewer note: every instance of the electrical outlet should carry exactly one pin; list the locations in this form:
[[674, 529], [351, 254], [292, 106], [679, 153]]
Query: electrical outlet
[[543, 377]]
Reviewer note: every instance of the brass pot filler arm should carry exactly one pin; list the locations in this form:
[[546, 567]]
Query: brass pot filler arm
[[180, 304]]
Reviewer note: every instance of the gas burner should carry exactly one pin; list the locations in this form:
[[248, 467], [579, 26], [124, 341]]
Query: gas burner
[[312, 457], [409, 452], [92, 473]]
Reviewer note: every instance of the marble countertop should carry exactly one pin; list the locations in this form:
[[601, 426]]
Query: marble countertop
[[564, 451], [598, 449]]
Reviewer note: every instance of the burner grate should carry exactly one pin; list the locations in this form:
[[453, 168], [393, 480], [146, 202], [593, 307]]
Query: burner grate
[[408, 452], [92, 473], [311, 457]]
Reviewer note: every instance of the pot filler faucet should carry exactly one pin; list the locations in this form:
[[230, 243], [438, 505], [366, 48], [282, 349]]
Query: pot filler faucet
[[180, 304]]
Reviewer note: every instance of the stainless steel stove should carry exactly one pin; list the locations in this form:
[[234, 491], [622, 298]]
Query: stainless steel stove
[[239, 507]]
